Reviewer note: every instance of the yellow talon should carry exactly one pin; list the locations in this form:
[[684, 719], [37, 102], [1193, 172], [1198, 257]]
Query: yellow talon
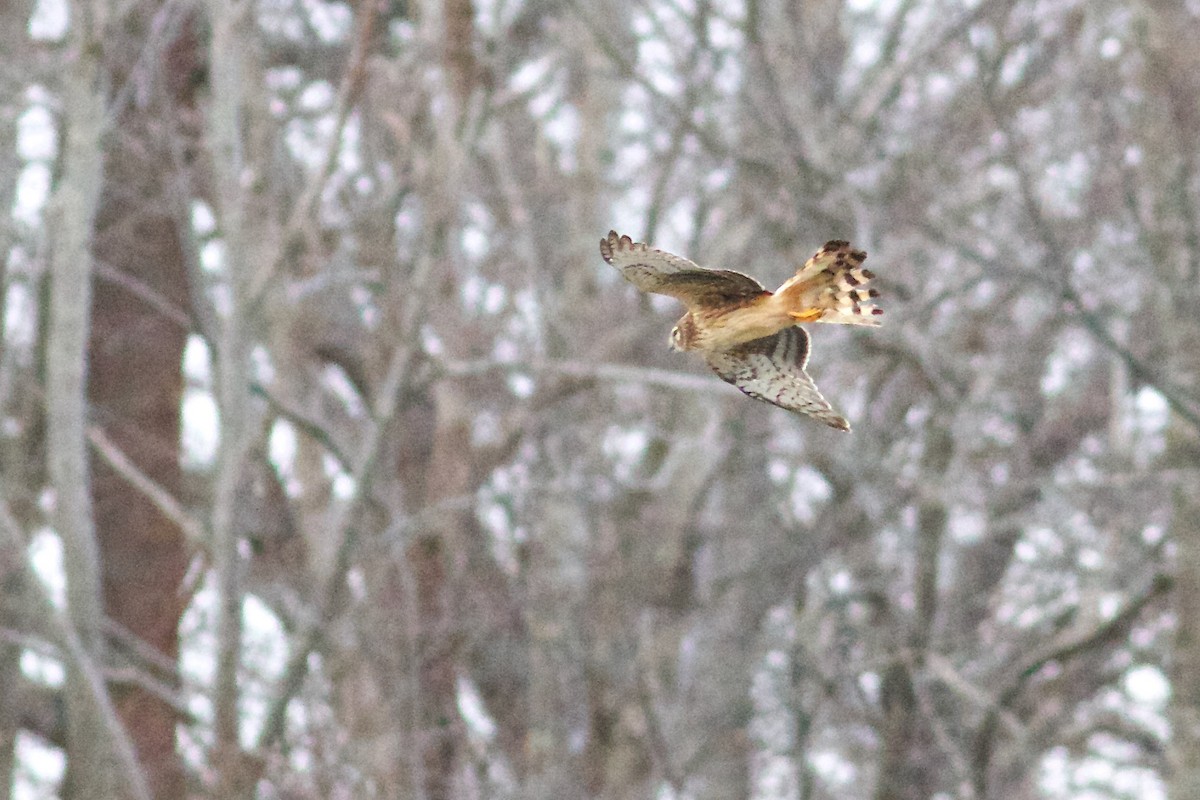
[[808, 315]]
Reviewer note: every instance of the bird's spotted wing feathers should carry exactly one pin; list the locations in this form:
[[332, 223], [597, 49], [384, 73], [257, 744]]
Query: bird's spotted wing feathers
[[772, 369], [830, 287], [660, 272]]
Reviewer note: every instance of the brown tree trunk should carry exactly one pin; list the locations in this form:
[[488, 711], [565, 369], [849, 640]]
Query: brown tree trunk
[[135, 385], [433, 557]]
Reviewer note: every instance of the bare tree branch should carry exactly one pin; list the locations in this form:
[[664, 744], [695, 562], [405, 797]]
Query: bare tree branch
[[232, 58], [111, 735], [301, 220], [163, 500], [1068, 646], [384, 406], [611, 373], [100, 759]]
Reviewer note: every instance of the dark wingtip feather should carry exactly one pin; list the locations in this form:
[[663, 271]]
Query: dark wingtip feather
[[606, 245]]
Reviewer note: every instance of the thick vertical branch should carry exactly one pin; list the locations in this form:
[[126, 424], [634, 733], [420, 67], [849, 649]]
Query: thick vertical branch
[[92, 771], [233, 72], [13, 40], [1185, 664], [931, 525], [458, 26], [1173, 67], [898, 775], [70, 304]]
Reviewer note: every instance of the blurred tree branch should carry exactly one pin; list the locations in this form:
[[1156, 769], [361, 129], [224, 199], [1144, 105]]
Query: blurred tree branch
[[1069, 645], [87, 695]]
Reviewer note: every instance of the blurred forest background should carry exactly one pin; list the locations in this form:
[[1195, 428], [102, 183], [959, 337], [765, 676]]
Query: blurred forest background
[[336, 463]]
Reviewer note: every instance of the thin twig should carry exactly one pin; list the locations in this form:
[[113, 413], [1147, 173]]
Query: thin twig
[[300, 221], [660, 749], [159, 497], [306, 424], [146, 293], [948, 675]]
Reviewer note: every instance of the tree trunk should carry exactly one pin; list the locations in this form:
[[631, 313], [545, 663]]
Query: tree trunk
[[135, 386]]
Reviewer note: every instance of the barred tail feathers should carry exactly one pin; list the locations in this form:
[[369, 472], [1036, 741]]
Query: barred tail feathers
[[830, 288]]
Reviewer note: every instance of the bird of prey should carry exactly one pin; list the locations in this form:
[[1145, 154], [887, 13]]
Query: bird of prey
[[751, 337]]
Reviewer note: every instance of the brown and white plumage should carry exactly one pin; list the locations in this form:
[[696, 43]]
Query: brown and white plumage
[[749, 336], [772, 369]]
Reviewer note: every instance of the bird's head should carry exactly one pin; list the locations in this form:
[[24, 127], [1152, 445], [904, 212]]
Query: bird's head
[[683, 334], [676, 340]]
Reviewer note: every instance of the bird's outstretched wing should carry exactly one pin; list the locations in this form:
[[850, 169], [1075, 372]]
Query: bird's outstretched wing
[[657, 271], [772, 369]]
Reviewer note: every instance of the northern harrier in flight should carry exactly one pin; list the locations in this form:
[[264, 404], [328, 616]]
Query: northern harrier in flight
[[749, 336]]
